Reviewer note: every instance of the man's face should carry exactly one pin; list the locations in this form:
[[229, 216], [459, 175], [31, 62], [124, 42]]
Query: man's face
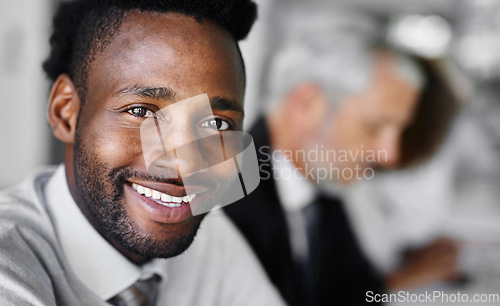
[[365, 130], [154, 61]]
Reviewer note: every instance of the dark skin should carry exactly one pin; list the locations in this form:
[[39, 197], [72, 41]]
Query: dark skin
[[103, 156]]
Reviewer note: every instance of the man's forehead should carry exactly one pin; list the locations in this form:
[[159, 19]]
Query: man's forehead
[[172, 26], [141, 31], [173, 51]]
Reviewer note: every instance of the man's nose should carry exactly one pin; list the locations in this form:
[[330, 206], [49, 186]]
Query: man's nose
[[180, 150], [389, 151]]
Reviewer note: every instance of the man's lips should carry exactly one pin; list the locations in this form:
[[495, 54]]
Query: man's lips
[[145, 203]]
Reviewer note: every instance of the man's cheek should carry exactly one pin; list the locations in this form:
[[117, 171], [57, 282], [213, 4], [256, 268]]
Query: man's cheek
[[224, 187], [118, 149]]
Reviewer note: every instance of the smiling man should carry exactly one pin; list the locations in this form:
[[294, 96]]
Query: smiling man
[[101, 227]]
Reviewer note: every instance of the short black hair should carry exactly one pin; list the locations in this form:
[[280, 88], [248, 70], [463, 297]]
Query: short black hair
[[82, 28]]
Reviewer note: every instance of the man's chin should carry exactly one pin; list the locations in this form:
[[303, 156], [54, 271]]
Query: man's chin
[[170, 241]]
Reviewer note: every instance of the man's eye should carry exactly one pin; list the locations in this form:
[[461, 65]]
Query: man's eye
[[216, 124], [141, 111]]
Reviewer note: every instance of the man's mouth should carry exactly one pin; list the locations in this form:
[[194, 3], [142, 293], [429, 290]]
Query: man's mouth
[[163, 198]]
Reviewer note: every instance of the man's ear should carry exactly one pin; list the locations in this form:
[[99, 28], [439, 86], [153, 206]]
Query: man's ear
[[64, 105], [306, 106]]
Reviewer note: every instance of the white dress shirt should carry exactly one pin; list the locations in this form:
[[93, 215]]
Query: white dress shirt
[[295, 193]]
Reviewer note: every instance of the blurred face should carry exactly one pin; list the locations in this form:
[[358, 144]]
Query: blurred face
[[365, 131], [166, 64]]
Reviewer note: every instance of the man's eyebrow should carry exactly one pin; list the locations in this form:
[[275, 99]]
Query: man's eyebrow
[[164, 93], [148, 92], [223, 104]]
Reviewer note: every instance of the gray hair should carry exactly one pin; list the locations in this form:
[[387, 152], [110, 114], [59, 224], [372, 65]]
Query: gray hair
[[332, 47]]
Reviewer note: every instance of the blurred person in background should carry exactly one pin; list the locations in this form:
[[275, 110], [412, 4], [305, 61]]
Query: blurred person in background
[[341, 104]]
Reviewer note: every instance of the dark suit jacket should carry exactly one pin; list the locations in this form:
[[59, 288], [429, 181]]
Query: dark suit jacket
[[342, 274]]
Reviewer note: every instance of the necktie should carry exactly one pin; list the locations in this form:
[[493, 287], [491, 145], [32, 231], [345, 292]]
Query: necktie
[[307, 266], [142, 293]]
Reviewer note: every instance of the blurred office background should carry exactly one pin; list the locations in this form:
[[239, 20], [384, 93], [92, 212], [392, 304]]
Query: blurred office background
[[458, 192], [25, 138]]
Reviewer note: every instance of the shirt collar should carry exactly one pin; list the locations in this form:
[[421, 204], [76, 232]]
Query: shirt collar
[[294, 190], [96, 262]]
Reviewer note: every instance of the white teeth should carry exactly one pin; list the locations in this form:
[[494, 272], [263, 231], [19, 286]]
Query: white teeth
[[163, 198], [156, 195], [189, 198], [166, 197], [140, 189], [171, 205]]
